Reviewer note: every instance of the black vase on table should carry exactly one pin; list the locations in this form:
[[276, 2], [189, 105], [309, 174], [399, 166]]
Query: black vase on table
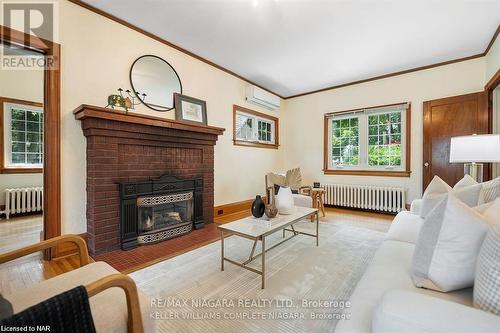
[[258, 207]]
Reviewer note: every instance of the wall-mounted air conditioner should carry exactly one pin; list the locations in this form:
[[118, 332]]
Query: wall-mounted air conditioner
[[258, 96]]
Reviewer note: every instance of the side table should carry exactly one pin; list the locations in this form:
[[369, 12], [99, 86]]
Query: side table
[[317, 195]]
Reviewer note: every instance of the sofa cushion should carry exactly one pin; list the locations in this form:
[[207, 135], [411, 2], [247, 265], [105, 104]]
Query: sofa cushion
[[409, 312], [302, 200], [405, 227], [389, 269], [109, 308], [487, 279]]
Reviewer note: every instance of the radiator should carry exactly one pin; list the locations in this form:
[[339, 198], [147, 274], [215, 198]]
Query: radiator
[[23, 200], [379, 198]]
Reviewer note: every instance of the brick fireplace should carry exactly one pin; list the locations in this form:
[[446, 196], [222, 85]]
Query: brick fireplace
[[124, 148]]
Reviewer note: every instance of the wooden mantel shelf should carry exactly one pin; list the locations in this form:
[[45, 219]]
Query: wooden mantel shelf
[[89, 111]]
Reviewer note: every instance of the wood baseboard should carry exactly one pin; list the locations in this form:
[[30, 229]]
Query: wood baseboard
[[233, 210], [67, 249]]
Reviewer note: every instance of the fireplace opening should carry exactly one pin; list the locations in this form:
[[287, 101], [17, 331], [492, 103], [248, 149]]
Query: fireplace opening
[[164, 216], [159, 209]]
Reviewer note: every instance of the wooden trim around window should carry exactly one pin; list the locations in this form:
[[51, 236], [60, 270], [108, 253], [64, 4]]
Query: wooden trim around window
[[379, 173], [237, 142], [52, 130], [4, 169]]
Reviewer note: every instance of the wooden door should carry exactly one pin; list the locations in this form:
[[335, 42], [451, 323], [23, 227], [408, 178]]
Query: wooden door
[[443, 119]]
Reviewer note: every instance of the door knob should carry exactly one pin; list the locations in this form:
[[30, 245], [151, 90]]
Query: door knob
[[426, 164]]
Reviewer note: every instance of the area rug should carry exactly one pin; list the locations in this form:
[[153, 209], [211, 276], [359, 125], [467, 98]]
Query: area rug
[[307, 287]]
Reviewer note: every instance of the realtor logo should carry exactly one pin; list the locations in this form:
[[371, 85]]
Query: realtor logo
[[33, 18]]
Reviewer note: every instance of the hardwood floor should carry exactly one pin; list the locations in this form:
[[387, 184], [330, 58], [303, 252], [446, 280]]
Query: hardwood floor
[[18, 232], [32, 269]]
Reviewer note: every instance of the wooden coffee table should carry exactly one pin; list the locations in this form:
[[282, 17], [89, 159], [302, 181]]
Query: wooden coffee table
[[259, 229]]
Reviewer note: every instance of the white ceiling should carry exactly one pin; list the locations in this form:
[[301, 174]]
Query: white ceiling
[[296, 46]]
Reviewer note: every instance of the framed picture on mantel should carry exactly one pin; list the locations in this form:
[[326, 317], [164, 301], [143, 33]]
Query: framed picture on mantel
[[190, 109]]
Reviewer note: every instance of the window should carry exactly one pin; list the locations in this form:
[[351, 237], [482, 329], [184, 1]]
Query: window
[[22, 135], [254, 129], [368, 141]]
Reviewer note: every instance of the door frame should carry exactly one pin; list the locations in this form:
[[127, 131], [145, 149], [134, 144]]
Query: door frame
[[426, 151], [492, 84], [52, 118]]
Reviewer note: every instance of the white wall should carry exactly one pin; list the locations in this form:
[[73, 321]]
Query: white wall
[[96, 57], [26, 85], [304, 135]]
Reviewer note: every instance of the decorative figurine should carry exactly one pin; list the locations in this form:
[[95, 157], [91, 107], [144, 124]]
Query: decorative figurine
[[128, 103]]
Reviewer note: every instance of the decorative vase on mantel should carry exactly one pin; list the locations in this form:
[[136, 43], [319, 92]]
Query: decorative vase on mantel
[[258, 207]]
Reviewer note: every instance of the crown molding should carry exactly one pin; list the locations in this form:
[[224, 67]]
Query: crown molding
[[191, 54]]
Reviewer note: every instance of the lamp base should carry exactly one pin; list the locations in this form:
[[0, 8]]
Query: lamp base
[[475, 170]]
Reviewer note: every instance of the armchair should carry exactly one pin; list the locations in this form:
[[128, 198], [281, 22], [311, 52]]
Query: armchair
[[113, 297], [292, 179]]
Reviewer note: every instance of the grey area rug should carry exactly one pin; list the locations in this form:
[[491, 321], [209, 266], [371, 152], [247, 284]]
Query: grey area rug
[[303, 283]]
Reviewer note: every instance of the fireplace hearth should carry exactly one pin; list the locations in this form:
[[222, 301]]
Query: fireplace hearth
[[160, 209]]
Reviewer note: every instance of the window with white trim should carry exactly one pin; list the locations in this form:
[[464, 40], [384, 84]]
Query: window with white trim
[[23, 136], [252, 128], [370, 139]]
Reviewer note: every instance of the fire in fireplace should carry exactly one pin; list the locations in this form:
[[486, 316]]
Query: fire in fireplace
[[164, 216], [160, 209]]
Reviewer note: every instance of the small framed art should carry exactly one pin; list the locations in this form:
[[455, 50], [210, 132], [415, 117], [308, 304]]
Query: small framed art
[[190, 109]]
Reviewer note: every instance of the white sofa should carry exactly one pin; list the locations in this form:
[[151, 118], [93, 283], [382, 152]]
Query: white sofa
[[385, 299]]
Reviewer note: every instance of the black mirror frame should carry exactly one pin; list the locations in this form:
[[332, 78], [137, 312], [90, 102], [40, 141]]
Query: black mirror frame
[[139, 96]]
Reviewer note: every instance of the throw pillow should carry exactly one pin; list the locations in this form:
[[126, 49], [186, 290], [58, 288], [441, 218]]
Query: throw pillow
[[433, 195], [490, 191], [487, 281], [426, 243], [483, 207], [492, 213], [459, 242], [466, 181]]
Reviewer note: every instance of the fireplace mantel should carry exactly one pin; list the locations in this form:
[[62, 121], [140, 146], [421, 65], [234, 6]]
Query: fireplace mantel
[[131, 147], [89, 111]]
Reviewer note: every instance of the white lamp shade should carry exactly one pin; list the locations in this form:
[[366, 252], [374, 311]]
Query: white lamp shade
[[475, 148]]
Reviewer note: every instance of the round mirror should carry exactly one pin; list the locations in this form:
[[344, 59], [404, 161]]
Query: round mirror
[[154, 82]]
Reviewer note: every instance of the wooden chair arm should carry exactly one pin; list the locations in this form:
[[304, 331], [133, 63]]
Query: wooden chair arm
[[134, 322], [47, 244]]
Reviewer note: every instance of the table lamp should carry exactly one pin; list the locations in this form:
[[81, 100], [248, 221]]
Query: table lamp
[[473, 150]]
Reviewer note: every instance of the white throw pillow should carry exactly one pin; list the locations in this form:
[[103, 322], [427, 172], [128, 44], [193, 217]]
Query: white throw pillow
[[492, 212], [454, 260], [470, 195], [487, 280], [490, 191], [466, 181], [433, 195], [426, 244]]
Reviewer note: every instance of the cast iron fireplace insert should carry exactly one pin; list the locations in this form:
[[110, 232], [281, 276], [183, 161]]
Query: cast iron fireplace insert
[[159, 209]]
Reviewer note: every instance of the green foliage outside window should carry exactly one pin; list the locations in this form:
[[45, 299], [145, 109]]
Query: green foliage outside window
[[384, 139], [345, 141]]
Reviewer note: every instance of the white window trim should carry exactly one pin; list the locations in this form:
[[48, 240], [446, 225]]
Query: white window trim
[[7, 130], [363, 140], [255, 128]]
